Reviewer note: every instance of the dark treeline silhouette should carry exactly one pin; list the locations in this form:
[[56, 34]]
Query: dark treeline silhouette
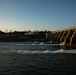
[[24, 36]]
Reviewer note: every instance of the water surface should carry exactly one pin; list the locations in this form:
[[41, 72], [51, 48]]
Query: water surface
[[18, 58]]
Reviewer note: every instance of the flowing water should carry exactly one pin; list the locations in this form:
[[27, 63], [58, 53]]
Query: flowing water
[[17, 58]]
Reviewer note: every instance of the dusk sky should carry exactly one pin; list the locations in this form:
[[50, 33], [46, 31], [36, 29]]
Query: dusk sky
[[39, 15]]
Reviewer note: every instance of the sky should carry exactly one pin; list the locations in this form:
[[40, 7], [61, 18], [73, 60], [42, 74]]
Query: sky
[[39, 15]]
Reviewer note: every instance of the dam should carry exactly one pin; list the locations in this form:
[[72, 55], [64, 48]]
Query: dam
[[67, 36]]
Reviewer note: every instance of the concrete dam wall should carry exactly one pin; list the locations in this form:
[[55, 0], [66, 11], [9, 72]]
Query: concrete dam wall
[[68, 36]]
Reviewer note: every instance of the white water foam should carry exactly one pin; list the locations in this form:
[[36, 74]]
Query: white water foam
[[46, 51], [37, 43], [63, 43], [38, 51], [41, 43]]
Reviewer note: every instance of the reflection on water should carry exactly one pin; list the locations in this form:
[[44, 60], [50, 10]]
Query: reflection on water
[[45, 59]]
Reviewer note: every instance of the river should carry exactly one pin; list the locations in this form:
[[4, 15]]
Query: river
[[18, 58]]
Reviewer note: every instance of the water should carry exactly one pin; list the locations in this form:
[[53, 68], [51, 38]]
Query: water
[[18, 58]]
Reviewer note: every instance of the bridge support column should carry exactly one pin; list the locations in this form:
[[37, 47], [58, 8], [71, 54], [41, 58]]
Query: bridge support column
[[60, 35], [73, 39], [63, 36], [68, 38], [55, 39]]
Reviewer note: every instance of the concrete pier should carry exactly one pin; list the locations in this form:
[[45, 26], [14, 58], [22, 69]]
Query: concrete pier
[[68, 36]]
